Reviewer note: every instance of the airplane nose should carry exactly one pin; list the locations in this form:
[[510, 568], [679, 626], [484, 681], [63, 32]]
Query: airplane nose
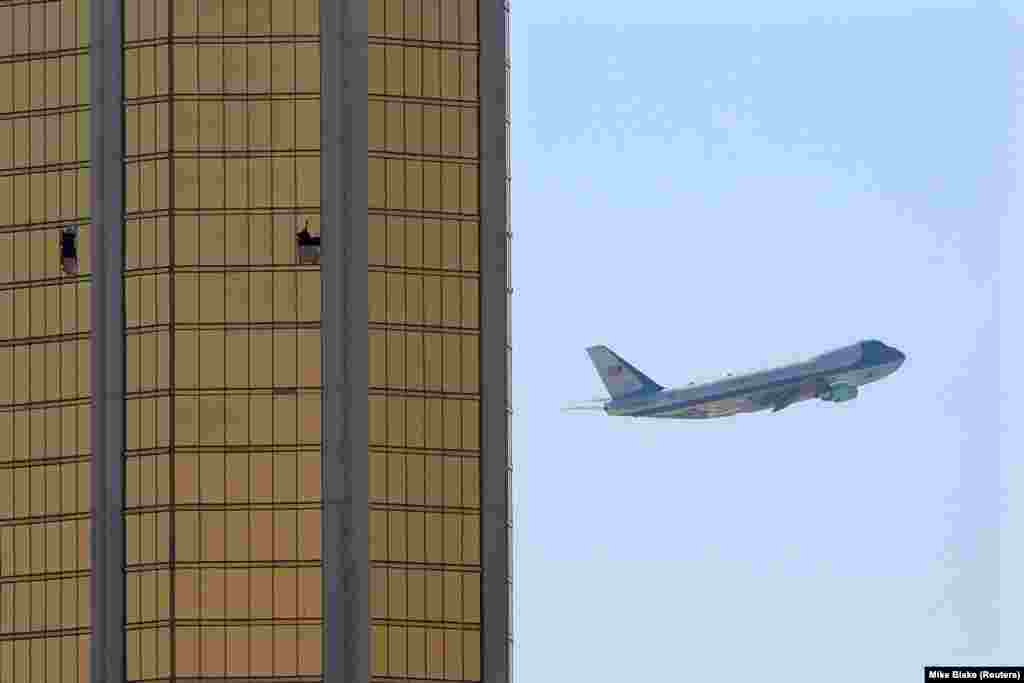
[[877, 353]]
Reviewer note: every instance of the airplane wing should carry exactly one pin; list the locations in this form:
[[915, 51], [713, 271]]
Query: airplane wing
[[786, 397], [783, 399]]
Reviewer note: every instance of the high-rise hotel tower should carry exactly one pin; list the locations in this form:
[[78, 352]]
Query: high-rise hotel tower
[[254, 341]]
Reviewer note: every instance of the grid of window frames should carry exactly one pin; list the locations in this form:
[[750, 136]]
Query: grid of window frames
[[424, 340], [44, 343], [222, 462]]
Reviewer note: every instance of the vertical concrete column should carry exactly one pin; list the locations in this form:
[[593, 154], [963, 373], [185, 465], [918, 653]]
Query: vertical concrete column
[[495, 465], [105, 54], [344, 328]]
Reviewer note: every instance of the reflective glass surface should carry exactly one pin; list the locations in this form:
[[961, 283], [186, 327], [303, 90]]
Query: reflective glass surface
[[45, 320], [424, 346], [222, 337]]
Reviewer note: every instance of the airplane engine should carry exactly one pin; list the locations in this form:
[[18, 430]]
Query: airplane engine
[[840, 392]]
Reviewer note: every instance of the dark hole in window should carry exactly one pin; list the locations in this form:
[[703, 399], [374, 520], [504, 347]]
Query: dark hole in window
[[307, 246], [69, 250]]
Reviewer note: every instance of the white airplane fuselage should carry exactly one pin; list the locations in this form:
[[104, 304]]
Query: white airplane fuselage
[[833, 376]]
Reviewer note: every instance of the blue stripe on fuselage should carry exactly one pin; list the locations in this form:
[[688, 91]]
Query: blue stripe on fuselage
[[672, 407]]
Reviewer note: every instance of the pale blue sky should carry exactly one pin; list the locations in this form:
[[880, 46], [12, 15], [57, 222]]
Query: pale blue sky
[[715, 189]]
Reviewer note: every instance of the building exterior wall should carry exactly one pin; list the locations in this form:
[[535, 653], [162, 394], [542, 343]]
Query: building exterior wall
[[229, 497], [345, 463], [45, 364], [496, 288], [108, 356], [222, 460], [424, 339]]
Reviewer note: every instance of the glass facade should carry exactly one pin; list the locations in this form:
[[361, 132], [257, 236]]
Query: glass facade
[[424, 346], [222, 497], [45, 473], [222, 460]]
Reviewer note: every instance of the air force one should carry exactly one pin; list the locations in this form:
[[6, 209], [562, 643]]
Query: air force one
[[832, 376]]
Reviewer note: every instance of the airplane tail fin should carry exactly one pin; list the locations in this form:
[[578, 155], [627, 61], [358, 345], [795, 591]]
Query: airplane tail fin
[[619, 377]]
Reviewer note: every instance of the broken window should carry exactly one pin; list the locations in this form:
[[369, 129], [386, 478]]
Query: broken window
[[69, 250], [307, 246]]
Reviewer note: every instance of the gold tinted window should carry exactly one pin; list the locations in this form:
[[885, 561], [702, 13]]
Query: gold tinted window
[[423, 298], [45, 323], [222, 169]]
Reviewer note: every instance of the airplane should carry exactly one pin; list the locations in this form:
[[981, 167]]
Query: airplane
[[832, 376]]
